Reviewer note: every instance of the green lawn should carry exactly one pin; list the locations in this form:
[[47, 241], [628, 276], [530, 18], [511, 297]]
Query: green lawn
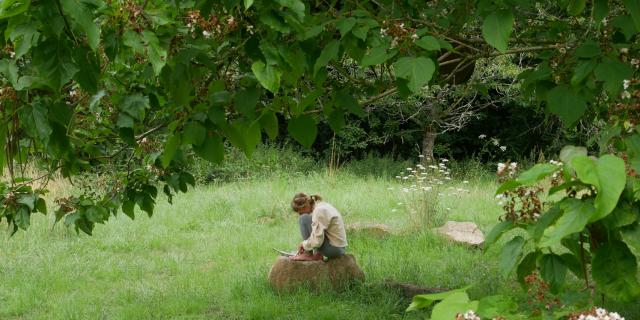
[[208, 255]]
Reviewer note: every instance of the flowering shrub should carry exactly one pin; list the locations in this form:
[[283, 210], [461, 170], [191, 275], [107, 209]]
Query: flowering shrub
[[596, 314]]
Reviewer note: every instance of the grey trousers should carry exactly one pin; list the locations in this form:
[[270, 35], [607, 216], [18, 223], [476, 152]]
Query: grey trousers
[[326, 249]]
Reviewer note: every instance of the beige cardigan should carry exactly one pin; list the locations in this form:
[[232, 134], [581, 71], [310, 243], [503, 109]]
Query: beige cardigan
[[326, 220]]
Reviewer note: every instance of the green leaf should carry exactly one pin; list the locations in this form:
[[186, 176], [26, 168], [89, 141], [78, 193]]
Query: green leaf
[[574, 265], [495, 306], [24, 36], [457, 302], [529, 177], [553, 271], [428, 43], [28, 200], [614, 268], [10, 8], [135, 106], [422, 301], [41, 206], [545, 220], [566, 104], [328, 53], [212, 149], [497, 28], [347, 102], [157, 54], [510, 255], [576, 7], [608, 175], [268, 76], [170, 148], [589, 49], [569, 152], [269, 123], [83, 17], [52, 59], [244, 135], [336, 120], [497, 231], [613, 72], [633, 8], [22, 218], [622, 215], [246, 101], [296, 6], [575, 216], [303, 129], [89, 73], [417, 70], [247, 4], [377, 55], [582, 70], [345, 25], [193, 133], [600, 9], [631, 236], [526, 267]]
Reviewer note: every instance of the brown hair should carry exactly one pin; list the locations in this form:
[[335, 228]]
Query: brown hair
[[300, 200]]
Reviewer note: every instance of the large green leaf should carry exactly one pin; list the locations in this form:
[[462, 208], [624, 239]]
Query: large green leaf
[[303, 129], [268, 75], [157, 54], [553, 271], [491, 307], [428, 43], [608, 175], [35, 120], [10, 8], [631, 236], [613, 72], [527, 266], [457, 302], [529, 177], [633, 7], [193, 133], [566, 104], [296, 6], [377, 55], [575, 216], [345, 25], [212, 149], [246, 101], [24, 36], [89, 69], [615, 270], [269, 123], [497, 231], [600, 9], [575, 7], [416, 70], [422, 301], [328, 53], [83, 17], [171, 146], [52, 60], [510, 255], [497, 28]]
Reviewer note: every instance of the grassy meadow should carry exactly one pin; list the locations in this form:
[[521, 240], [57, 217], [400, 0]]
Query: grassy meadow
[[208, 255]]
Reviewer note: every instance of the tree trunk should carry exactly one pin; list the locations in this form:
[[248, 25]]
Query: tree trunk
[[428, 141]]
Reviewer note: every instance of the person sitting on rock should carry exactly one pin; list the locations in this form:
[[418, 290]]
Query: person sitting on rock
[[321, 227]]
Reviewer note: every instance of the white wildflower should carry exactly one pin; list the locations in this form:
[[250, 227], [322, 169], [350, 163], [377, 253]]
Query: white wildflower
[[206, 34], [500, 196], [626, 83], [465, 181], [445, 160], [513, 165], [383, 32], [421, 156], [503, 148], [624, 50], [398, 177], [495, 141], [482, 136], [626, 95], [414, 37], [405, 178], [409, 169]]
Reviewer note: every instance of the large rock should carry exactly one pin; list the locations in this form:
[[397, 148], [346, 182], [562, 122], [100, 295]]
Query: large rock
[[463, 232], [337, 273]]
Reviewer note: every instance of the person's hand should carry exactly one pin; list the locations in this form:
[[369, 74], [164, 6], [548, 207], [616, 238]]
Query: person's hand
[[300, 249]]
